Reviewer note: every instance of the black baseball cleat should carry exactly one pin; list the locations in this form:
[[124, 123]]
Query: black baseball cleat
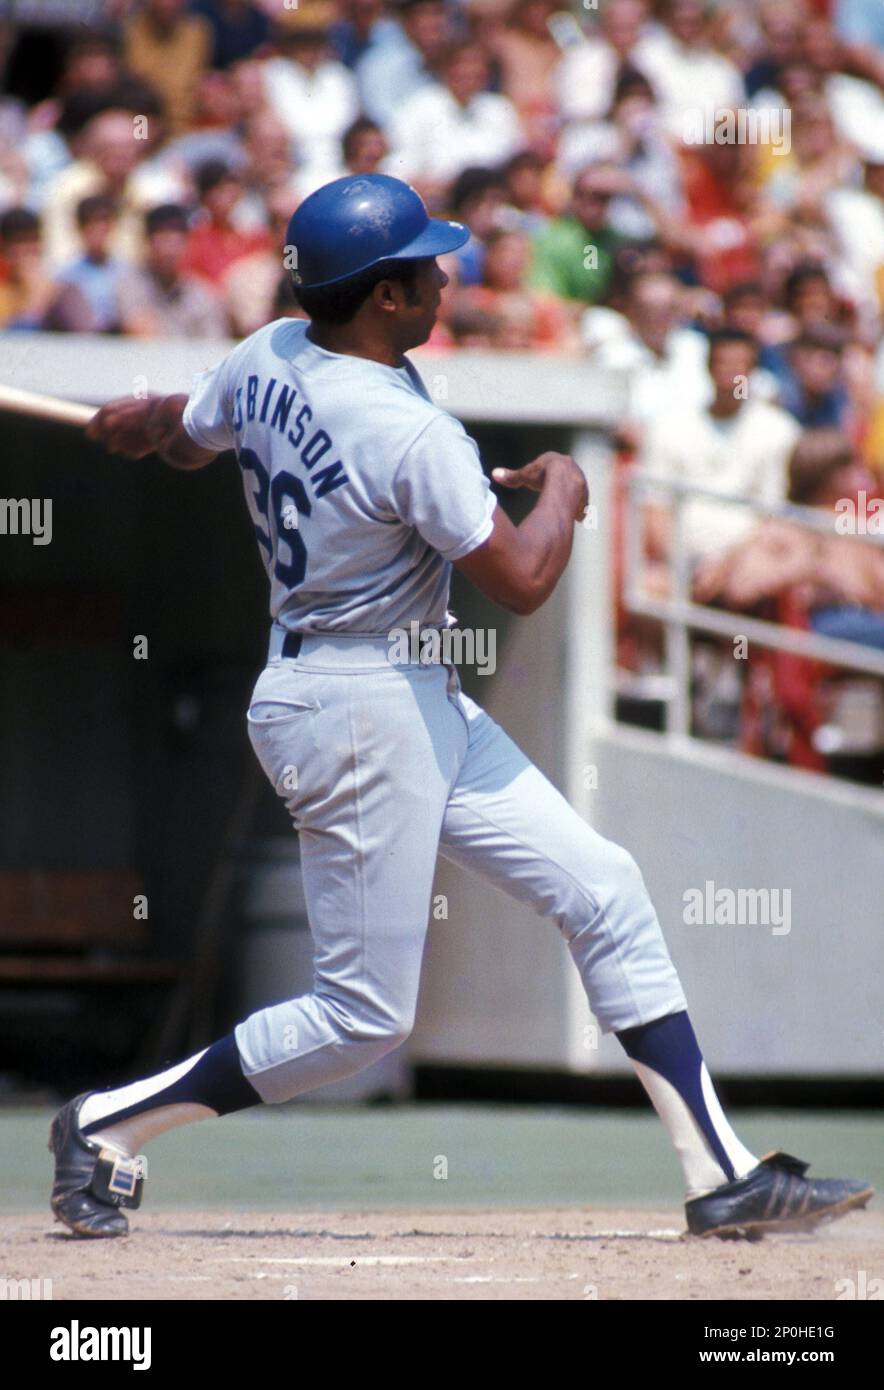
[[91, 1183], [775, 1196]]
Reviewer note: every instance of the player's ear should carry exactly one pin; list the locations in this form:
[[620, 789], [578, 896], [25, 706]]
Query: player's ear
[[386, 295]]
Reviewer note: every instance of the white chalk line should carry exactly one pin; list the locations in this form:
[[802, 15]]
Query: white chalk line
[[665, 1233], [449, 1279], [341, 1262]]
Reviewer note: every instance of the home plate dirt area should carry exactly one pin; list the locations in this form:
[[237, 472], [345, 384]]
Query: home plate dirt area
[[605, 1253]]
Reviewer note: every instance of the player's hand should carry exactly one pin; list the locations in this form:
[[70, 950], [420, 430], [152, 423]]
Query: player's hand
[[133, 428], [536, 474]]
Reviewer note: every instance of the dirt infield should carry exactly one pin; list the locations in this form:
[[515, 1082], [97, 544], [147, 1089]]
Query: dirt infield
[[616, 1253]]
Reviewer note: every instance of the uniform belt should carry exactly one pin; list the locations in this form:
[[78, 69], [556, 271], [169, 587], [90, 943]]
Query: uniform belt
[[337, 649]]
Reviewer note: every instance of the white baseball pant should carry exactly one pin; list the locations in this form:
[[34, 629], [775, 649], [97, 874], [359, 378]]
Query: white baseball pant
[[383, 767]]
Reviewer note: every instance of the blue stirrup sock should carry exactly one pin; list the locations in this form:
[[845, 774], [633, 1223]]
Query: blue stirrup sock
[[665, 1054], [210, 1083], [670, 1066]]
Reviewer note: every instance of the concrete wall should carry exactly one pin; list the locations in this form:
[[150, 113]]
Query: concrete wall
[[809, 999]]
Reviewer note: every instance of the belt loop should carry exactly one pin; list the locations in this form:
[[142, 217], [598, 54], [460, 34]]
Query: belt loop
[[291, 645]]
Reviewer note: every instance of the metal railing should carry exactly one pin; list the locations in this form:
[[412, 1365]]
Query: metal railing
[[680, 615]]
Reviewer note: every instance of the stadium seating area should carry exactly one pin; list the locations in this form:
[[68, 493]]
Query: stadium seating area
[[690, 193]]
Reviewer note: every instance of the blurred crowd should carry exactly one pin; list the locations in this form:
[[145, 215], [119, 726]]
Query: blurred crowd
[[690, 193]]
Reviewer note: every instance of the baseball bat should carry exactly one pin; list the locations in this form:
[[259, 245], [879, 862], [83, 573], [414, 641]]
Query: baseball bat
[[39, 407]]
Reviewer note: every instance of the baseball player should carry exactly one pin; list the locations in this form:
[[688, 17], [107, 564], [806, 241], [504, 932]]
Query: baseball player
[[364, 493]]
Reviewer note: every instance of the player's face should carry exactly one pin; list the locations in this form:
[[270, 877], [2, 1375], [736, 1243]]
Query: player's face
[[418, 314]]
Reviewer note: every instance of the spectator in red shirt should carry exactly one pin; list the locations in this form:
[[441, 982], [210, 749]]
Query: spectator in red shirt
[[215, 241], [725, 223]]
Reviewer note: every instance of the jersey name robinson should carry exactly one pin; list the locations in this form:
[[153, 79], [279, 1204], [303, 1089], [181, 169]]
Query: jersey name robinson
[[362, 490]]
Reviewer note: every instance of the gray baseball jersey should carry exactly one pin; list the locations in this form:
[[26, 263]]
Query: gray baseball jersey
[[362, 491]]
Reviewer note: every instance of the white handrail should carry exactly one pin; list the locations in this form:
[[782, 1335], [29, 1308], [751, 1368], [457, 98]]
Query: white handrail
[[680, 615], [811, 517]]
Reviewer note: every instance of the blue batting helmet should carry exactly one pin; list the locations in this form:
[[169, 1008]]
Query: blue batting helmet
[[359, 221]]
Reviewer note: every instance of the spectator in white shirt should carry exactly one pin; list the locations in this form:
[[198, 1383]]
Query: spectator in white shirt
[[735, 445], [402, 64], [690, 77], [585, 80], [856, 215], [314, 95], [665, 360], [110, 161], [851, 78], [630, 137], [362, 25], [455, 124], [363, 151], [267, 163]]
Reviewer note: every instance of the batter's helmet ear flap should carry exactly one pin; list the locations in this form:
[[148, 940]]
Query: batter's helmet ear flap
[[358, 222]]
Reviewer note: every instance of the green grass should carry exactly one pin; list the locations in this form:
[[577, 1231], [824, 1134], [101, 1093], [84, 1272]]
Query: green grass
[[312, 1157]]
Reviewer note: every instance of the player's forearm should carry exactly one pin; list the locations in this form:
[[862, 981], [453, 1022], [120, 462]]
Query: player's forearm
[[519, 566], [546, 537], [171, 442], [136, 428]]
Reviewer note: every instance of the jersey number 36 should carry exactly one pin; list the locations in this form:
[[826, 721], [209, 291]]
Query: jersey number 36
[[277, 505]]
